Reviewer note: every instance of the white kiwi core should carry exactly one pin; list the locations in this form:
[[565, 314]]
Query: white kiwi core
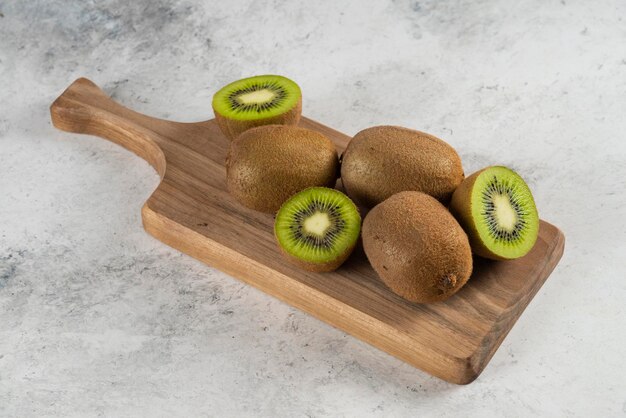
[[504, 212], [259, 96], [317, 224]]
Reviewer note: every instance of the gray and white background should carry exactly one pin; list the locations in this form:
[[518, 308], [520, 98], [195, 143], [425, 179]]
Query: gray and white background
[[99, 319]]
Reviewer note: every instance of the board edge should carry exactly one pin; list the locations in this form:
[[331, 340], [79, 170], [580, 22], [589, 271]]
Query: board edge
[[453, 369]]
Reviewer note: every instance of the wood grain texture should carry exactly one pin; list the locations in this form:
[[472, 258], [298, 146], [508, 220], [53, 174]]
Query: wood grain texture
[[192, 212]]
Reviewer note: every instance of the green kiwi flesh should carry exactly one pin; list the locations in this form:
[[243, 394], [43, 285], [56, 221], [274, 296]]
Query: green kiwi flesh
[[496, 208], [317, 228], [256, 101]]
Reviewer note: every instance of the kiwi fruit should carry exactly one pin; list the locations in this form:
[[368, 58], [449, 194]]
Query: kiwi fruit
[[385, 160], [417, 247], [497, 210], [256, 101], [317, 228], [268, 164]]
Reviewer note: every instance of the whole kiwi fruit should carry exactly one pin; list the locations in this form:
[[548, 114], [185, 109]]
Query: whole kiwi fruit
[[498, 212], [268, 164], [385, 160], [256, 101], [417, 247]]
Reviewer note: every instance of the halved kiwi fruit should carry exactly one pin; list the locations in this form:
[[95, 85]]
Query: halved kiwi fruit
[[497, 210], [317, 228], [256, 101]]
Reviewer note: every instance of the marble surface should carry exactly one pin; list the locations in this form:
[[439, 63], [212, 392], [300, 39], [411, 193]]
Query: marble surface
[[99, 319]]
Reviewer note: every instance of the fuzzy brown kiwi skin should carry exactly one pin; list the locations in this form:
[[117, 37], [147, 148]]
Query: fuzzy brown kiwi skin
[[331, 265], [417, 247], [384, 160], [232, 128], [461, 208], [266, 165]]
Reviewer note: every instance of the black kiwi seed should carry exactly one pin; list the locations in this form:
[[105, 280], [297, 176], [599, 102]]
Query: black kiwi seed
[[330, 235], [489, 210], [277, 100]]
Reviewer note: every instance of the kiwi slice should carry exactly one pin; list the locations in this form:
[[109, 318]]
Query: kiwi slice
[[317, 228], [497, 210], [256, 101]]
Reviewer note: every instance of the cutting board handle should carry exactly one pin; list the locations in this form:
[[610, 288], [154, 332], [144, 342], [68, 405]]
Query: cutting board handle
[[84, 108]]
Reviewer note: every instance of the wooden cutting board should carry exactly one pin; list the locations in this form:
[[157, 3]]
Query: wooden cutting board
[[191, 211]]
